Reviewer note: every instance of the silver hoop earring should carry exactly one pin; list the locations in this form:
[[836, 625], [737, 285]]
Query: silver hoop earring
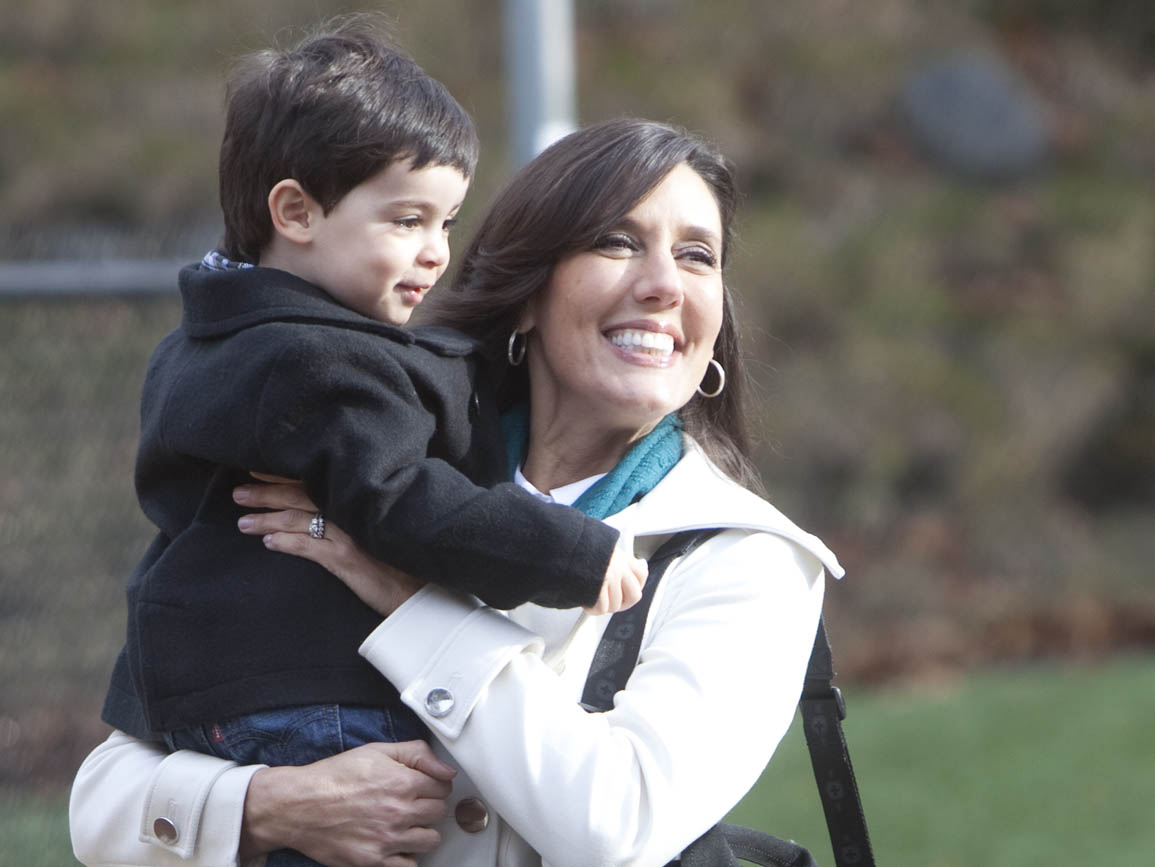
[[514, 351], [721, 380]]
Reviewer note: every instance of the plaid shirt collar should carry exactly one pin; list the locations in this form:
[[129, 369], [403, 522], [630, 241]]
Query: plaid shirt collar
[[215, 260]]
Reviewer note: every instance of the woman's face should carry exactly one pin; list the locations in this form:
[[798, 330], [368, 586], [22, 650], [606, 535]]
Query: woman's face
[[623, 332]]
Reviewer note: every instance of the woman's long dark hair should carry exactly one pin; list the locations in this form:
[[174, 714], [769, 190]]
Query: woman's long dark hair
[[561, 203]]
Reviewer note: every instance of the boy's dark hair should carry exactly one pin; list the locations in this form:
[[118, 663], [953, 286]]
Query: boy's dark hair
[[331, 112]]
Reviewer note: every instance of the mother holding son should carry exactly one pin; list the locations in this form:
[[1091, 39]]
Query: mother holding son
[[596, 284]]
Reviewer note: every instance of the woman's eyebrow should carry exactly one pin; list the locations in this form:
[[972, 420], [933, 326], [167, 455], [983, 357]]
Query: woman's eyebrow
[[701, 233], [686, 230]]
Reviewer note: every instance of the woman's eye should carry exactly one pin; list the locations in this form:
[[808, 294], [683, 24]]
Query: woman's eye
[[701, 256], [449, 224], [408, 222], [615, 241]]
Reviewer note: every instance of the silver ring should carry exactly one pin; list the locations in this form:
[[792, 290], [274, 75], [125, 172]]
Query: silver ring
[[317, 526]]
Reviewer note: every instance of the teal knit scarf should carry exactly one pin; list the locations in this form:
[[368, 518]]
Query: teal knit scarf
[[642, 467]]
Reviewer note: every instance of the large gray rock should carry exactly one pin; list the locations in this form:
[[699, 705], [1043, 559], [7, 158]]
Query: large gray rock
[[973, 115]]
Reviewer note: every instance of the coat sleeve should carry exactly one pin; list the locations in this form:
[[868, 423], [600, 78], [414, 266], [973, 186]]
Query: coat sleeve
[[359, 435], [713, 693], [126, 785]]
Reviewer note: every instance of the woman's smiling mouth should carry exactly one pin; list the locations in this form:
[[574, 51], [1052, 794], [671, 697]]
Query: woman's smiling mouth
[[653, 343]]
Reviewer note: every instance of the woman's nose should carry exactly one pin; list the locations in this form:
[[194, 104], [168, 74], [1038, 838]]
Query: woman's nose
[[660, 280]]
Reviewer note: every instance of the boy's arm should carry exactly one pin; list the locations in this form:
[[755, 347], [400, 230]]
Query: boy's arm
[[357, 434]]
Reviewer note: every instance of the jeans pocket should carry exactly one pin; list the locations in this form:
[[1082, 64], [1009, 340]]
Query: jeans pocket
[[403, 724], [285, 736], [299, 735], [363, 725]]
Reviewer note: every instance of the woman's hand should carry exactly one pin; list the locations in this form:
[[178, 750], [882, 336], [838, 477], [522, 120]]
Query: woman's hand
[[286, 529], [369, 807]]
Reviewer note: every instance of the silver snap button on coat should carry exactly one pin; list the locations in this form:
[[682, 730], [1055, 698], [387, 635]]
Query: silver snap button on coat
[[471, 815], [439, 702], [165, 831]]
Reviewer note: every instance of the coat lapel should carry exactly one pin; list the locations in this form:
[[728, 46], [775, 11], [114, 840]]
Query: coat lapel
[[697, 494]]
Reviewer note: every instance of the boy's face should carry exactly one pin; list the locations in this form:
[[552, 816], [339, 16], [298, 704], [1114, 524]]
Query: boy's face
[[387, 241]]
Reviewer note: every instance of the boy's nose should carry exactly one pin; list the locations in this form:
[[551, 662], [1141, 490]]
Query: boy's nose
[[435, 252]]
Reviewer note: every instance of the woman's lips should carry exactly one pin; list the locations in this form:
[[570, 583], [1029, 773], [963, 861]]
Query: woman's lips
[[655, 343]]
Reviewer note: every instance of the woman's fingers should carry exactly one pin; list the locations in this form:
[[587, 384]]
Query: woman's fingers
[[320, 551], [286, 530], [419, 756], [429, 811], [284, 521], [399, 861], [420, 839], [366, 806], [274, 496]]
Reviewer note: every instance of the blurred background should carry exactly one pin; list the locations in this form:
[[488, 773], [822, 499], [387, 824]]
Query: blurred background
[[945, 266]]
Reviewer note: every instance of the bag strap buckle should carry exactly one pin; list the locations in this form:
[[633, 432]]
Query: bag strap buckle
[[824, 691]]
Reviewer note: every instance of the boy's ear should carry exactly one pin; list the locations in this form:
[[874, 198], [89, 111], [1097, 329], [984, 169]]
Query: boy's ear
[[293, 211]]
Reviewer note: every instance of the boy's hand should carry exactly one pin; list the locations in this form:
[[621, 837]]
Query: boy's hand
[[622, 586]]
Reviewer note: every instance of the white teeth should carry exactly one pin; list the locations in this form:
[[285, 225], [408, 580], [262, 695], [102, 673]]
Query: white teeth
[[653, 342]]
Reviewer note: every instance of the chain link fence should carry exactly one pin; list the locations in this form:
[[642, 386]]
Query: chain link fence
[[74, 341]]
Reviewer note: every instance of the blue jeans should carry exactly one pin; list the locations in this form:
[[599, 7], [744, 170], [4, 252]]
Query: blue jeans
[[298, 736]]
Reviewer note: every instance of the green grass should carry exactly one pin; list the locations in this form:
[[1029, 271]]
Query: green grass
[[34, 831], [1039, 765]]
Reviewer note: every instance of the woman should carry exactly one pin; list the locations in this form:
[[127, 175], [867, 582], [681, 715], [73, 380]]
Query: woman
[[598, 274]]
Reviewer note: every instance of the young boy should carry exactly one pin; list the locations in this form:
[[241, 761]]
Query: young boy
[[342, 168]]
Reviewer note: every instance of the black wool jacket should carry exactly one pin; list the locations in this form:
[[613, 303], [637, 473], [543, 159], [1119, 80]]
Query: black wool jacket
[[396, 438]]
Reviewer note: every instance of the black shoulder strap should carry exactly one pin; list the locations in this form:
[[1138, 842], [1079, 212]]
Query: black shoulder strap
[[823, 711], [617, 654]]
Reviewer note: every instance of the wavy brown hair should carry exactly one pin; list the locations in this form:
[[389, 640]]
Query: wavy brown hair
[[561, 203]]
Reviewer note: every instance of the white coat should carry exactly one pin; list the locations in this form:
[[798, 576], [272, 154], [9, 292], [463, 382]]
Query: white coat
[[717, 681]]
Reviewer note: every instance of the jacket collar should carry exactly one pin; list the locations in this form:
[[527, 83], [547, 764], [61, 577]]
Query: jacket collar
[[695, 494], [221, 302]]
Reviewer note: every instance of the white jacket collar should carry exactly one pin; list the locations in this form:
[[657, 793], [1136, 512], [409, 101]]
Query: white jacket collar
[[696, 494]]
